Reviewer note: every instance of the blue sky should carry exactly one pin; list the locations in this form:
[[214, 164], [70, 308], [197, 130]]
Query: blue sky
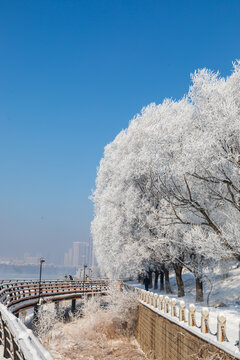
[[72, 75]]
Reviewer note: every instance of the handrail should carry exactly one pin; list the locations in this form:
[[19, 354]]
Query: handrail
[[167, 308], [18, 341], [19, 295]]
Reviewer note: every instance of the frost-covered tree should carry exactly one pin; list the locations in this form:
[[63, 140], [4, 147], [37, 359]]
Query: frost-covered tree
[[168, 186]]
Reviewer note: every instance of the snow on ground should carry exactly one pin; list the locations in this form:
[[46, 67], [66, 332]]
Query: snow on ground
[[225, 298]]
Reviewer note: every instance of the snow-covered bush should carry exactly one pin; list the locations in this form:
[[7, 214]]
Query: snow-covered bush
[[47, 318], [118, 314]]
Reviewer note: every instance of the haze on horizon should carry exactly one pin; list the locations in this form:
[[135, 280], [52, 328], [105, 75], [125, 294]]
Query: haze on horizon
[[72, 75]]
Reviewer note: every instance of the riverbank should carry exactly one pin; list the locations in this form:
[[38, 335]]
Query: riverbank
[[81, 340], [101, 328]]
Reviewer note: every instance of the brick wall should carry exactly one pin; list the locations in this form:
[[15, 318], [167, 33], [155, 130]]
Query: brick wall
[[162, 339]]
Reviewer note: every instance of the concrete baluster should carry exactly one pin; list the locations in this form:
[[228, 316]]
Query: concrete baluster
[[221, 328], [151, 298], [160, 303], [174, 307], [191, 315], [155, 300], [205, 321], [182, 311], [166, 304], [148, 297]]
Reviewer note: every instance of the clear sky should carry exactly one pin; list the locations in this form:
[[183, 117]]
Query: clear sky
[[72, 75]]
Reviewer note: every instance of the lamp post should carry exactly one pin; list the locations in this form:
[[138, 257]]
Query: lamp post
[[84, 269], [40, 279]]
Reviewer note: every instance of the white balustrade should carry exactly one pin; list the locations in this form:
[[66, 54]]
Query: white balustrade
[[151, 298], [174, 307], [205, 321], [166, 304], [163, 303], [182, 311], [160, 303], [192, 315], [221, 327], [148, 297]]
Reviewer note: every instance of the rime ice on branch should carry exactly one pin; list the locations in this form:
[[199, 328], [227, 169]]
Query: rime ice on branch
[[169, 185]]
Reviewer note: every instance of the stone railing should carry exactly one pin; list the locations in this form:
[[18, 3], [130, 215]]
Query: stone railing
[[182, 317]]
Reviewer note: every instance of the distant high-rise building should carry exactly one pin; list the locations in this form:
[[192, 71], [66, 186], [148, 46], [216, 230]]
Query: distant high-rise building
[[75, 253], [80, 253], [68, 258]]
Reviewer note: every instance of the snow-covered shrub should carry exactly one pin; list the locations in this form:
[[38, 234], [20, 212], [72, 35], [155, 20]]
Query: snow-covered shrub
[[116, 315], [47, 319]]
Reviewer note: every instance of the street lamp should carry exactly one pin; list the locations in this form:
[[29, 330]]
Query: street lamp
[[84, 268], [40, 279]]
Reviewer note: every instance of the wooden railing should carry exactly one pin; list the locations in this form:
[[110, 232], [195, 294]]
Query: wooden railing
[[22, 294], [15, 296], [19, 343]]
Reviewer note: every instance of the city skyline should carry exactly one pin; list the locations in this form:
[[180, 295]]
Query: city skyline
[[81, 253]]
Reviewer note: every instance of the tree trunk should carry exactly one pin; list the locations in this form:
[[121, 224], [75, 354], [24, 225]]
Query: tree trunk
[[156, 280], [199, 289], [150, 279], [167, 282], [161, 280], [180, 285], [140, 278]]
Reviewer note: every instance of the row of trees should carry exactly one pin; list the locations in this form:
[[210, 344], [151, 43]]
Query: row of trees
[[168, 187]]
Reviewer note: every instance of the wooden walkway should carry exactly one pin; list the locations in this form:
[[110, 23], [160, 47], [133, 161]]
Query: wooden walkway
[[20, 295], [18, 342]]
